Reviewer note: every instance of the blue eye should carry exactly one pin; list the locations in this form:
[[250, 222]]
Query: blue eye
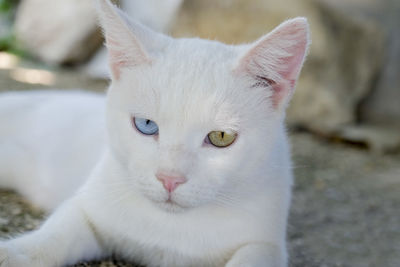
[[145, 126]]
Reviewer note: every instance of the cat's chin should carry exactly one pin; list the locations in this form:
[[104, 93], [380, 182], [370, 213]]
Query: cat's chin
[[170, 206]]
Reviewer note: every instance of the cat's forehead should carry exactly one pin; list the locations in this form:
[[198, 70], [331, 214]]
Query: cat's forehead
[[199, 51], [191, 76], [192, 83], [193, 63]]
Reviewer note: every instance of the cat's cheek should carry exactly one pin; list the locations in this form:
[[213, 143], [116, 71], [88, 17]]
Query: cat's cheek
[[197, 192], [155, 196], [151, 188], [220, 165], [140, 153]]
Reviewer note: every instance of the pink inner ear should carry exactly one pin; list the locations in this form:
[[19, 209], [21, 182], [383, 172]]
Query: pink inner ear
[[294, 63], [116, 63], [122, 55], [123, 45], [280, 92], [278, 57]]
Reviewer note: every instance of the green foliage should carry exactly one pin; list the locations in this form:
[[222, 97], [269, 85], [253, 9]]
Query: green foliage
[[7, 6], [7, 39], [9, 43]]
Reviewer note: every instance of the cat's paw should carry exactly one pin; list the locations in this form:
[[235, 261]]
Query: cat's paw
[[258, 255], [11, 257]]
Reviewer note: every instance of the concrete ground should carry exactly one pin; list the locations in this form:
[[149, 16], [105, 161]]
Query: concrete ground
[[346, 204]]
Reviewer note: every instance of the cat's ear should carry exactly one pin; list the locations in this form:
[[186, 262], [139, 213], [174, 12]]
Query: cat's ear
[[275, 60], [129, 43]]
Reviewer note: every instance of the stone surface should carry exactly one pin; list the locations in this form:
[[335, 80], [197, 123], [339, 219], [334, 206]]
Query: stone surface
[[58, 31], [343, 60], [345, 205]]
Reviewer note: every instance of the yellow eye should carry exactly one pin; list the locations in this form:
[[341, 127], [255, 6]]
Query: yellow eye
[[221, 139]]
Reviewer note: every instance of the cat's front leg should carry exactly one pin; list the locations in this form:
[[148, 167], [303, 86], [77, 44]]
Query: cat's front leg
[[259, 255], [65, 238]]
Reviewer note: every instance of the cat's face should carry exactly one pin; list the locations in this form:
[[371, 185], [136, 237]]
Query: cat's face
[[200, 113], [189, 97]]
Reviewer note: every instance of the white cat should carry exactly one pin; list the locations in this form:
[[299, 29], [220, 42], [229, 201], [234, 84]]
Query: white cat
[[193, 162]]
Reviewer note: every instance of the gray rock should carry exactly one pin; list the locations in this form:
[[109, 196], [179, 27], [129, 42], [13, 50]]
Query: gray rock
[[383, 105], [62, 31], [66, 31], [378, 139], [336, 80]]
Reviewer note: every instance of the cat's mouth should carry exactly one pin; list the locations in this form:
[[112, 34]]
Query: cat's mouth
[[171, 206]]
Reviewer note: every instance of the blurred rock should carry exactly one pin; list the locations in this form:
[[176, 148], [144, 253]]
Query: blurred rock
[[383, 105], [343, 62], [336, 81], [378, 139], [58, 31], [66, 31]]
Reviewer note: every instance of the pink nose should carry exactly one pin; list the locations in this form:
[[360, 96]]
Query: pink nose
[[170, 182]]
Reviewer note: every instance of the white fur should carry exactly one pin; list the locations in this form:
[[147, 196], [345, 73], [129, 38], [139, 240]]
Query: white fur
[[49, 142], [232, 210]]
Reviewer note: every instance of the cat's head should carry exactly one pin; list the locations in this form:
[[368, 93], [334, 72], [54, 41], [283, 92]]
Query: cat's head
[[196, 122]]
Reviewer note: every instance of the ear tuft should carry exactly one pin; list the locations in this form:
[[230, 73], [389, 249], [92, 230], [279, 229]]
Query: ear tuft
[[276, 59]]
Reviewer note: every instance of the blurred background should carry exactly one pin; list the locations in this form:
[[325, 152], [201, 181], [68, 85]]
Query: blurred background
[[344, 119]]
